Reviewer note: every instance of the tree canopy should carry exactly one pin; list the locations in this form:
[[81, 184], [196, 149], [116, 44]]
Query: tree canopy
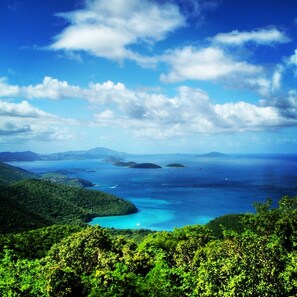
[[258, 259]]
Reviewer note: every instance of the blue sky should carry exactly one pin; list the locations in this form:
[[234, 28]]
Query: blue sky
[[148, 76]]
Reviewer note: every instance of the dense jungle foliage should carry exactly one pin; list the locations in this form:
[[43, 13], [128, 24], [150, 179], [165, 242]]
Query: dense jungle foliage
[[257, 259]]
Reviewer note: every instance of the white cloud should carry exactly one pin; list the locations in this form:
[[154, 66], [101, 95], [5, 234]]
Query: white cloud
[[211, 63], [276, 78], [215, 64], [23, 110], [108, 28], [293, 58], [190, 112], [259, 84], [26, 122], [50, 88], [267, 36], [292, 62], [151, 115], [286, 105], [7, 90], [8, 129]]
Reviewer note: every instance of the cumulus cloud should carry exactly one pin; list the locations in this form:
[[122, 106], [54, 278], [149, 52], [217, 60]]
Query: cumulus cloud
[[6, 89], [8, 128], [216, 65], [276, 78], [108, 29], [50, 88], [190, 112], [286, 105], [293, 58], [24, 121], [152, 115], [23, 110], [292, 62], [211, 63], [268, 36]]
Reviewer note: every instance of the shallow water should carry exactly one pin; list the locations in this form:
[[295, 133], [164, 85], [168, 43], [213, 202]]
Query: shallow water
[[173, 197]]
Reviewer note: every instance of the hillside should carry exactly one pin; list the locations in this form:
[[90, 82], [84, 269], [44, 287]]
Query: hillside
[[36, 203], [95, 153], [19, 156], [14, 217], [10, 174]]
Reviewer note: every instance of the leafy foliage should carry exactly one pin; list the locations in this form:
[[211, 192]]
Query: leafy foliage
[[260, 259], [35, 244], [226, 222]]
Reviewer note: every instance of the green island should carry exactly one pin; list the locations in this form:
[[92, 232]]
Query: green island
[[146, 166], [125, 164], [132, 164], [47, 249], [176, 165]]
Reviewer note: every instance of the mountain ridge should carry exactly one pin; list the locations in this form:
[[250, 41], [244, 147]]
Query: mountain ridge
[[28, 156]]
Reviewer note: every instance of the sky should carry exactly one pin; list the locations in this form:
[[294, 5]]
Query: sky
[[148, 76]]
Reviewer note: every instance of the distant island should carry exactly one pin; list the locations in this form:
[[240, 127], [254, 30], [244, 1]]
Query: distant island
[[213, 155], [108, 155], [95, 153], [132, 164], [176, 165], [125, 164], [146, 165]]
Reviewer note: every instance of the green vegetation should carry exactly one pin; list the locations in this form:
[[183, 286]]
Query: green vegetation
[[227, 222], [62, 179], [95, 153], [175, 165], [257, 259], [10, 174], [35, 244], [14, 216], [146, 166], [132, 164], [36, 203]]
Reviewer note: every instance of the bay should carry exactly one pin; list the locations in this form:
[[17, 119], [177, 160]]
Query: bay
[[174, 197]]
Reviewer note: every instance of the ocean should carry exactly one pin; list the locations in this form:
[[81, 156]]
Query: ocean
[[206, 188]]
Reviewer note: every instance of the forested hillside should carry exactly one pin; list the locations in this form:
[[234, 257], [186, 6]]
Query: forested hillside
[[36, 203], [259, 259], [10, 174], [15, 217]]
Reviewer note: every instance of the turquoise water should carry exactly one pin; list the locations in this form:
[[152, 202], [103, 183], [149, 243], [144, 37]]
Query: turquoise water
[[174, 197]]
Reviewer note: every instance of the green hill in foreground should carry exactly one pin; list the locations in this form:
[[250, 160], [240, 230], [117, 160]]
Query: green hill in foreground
[[37, 203], [15, 217]]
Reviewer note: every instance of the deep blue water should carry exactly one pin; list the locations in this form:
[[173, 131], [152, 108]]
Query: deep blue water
[[173, 197]]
